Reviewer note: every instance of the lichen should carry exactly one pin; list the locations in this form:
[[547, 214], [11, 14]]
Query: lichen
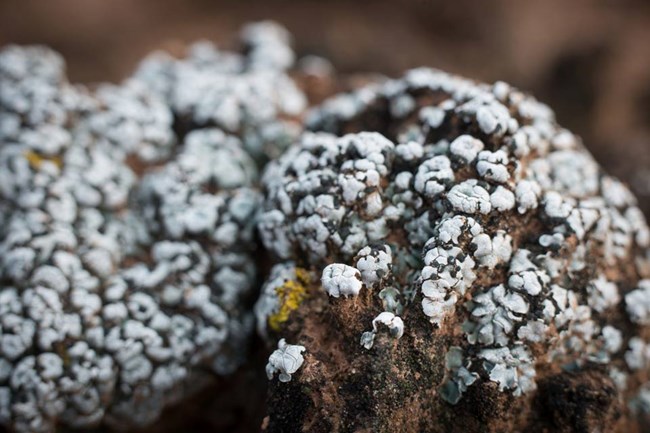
[[503, 231], [453, 217], [286, 360], [127, 244], [36, 161], [291, 294]]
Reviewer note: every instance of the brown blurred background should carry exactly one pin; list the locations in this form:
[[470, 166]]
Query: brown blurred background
[[588, 59]]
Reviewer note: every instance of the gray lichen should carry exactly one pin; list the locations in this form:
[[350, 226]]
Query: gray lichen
[[339, 279], [127, 248], [286, 360], [250, 95], [496, 213]]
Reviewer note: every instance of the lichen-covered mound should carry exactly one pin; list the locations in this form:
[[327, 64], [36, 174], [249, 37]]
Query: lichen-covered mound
[[451, 259], [127, 239]]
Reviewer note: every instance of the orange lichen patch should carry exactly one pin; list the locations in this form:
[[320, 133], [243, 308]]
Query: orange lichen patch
[[35, 160], [291, 294]]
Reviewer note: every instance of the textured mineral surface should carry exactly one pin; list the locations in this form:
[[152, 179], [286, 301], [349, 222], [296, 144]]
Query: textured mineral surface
[[451, 259]]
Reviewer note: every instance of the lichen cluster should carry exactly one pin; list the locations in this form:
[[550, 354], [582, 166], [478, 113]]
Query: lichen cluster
[[428, 223], [127, 252], [502, 229], [249, 95]]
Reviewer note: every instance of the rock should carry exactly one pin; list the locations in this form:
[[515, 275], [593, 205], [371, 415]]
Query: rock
[[512, 257]]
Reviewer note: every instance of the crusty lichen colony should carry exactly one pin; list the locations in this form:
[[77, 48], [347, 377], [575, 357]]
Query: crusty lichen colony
[[430, 217], [127, 227], [468, 203]]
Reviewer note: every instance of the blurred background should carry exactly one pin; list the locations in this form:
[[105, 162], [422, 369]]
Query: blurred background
[[588, 59]]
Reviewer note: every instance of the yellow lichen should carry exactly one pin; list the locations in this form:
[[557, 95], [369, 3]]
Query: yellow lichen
[[36, 160], [291, 294]]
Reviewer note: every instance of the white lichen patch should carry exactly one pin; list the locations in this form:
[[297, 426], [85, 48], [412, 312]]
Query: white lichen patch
[[637, 303], [469, 197], [374, 264], [458, 378], [514, 221], [285, 361], [331, 197], [493, 166], [394, 323], [126, 251], [459, 246], [603, 294], [494, 314], [466, 148], [510, 367], [637, 356], [250, 94], [341, 280]]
